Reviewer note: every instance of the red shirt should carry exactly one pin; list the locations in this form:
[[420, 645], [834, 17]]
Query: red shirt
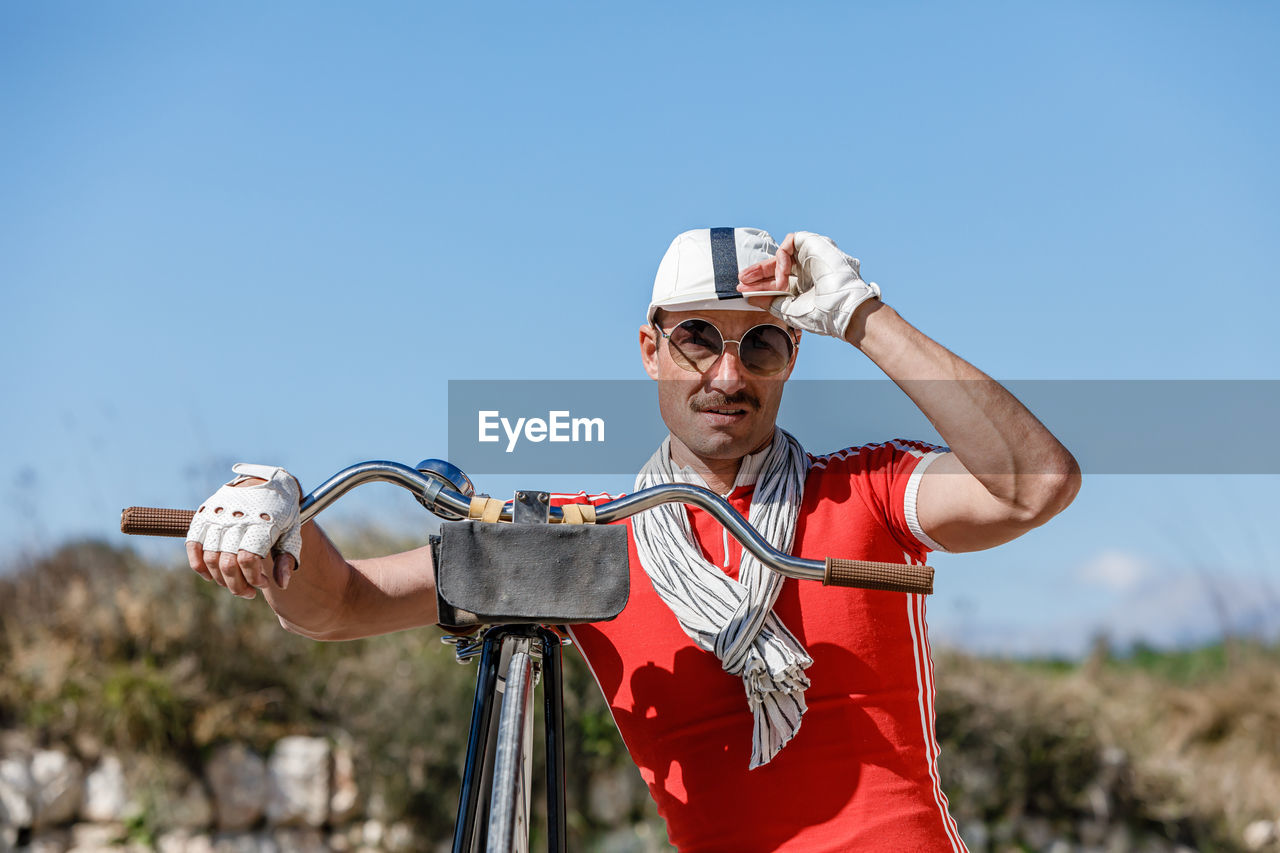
[[861, 774]]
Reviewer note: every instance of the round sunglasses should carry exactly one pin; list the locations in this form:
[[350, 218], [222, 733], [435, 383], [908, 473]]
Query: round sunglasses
[[765, 350]]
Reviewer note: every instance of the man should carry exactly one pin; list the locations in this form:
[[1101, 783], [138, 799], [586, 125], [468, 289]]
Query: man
[[834, 745]]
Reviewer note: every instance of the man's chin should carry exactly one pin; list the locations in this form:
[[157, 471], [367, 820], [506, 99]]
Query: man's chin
[[717, 444]]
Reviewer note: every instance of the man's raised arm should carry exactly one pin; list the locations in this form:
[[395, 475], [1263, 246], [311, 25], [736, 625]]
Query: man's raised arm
[[1006, 473]]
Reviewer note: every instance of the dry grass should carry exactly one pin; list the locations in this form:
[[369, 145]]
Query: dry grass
[[1193, 758], [1215, 740]]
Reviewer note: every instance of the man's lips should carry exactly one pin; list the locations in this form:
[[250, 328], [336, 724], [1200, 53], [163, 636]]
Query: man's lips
[[725, 410], [724, 415]]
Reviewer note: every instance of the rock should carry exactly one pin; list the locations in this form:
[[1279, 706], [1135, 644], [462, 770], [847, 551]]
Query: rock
[[87, 746], [344, 795], [59, 780], [200, 844], [191, 809], [341, 841], [1260, 834], [105, 792], [17, 790], [238, 778], [976, 836], [400, 839], [51, 841], [163, 793], [371, 833], [377, 807], [173, 842], [349, 839], [300, 841], [298, 782], [97, 837], [15, 743], [244, 842], [184, 841]]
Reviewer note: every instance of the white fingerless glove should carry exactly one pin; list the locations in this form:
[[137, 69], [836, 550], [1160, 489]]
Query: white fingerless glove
[[826, 287], [252, 518]]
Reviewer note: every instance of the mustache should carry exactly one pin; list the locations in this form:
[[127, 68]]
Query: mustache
[[741, 400]]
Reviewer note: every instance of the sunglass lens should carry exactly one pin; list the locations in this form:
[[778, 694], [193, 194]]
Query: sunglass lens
[[766, 350], [696, 344]]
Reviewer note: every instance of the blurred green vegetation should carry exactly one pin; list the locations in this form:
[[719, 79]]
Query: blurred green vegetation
[[103, 649], [1185, 666]]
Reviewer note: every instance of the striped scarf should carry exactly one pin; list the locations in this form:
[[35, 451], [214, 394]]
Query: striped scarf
[[734, 620]]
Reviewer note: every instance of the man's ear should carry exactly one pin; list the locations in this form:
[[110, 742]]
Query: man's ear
[[649, 350]]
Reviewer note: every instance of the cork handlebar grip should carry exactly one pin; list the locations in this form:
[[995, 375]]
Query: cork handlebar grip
[[892, 577], [152, 521]]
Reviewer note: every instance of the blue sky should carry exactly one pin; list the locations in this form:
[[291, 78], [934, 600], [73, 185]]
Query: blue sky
[[275, 232]]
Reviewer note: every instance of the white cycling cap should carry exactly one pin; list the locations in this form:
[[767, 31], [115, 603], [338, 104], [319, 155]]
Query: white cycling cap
[[700, 269]]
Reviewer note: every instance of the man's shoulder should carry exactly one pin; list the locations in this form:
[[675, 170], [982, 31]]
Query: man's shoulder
[[875, 453]]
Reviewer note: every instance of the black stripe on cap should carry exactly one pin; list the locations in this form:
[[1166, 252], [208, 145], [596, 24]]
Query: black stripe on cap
[[724, 261]]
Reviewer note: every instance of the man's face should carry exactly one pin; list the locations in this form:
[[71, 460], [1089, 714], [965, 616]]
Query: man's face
[[726, 411]]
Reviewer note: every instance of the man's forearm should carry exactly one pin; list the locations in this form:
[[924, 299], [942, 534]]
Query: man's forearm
[[331, 598], [991, 433]]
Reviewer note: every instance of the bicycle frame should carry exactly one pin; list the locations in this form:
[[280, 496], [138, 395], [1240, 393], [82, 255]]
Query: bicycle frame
[[498, 760]]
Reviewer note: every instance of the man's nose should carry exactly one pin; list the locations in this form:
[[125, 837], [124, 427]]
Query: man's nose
[[728, 374]]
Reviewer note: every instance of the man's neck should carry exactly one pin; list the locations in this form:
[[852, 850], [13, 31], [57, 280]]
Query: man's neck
[[719, 474]]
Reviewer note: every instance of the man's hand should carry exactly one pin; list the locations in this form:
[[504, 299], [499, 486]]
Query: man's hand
[[233, 534], [231, 543], [825, 284]]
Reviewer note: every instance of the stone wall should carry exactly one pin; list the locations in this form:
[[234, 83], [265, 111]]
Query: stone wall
[[300, 796]]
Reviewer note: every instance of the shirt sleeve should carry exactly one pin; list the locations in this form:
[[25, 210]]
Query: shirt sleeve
[[887, 476]]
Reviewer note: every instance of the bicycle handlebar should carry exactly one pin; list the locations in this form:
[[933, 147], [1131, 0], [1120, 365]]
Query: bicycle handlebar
[[433, 494]]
